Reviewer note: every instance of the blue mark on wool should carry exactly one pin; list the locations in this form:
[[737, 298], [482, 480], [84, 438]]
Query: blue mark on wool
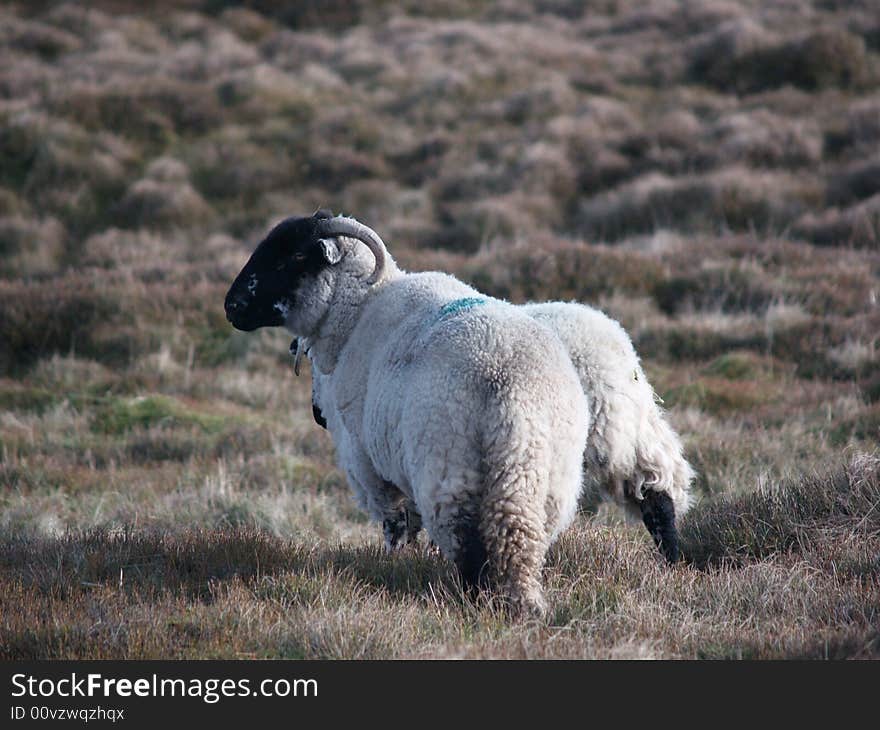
[[460, 305]]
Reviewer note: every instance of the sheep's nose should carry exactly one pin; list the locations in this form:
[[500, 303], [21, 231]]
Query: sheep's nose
[[232, 305]]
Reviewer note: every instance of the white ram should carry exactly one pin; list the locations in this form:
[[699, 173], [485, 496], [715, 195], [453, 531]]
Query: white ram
[[633, 456], [469, 406]]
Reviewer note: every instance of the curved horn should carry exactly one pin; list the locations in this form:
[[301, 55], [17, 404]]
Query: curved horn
[[342, 226]]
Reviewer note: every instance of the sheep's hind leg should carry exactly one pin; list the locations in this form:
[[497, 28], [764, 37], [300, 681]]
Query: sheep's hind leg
[[471, 559], [658, 514], [455, 529], [516, 545]]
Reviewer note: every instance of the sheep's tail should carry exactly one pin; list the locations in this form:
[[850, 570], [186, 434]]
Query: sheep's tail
[[660, 464]]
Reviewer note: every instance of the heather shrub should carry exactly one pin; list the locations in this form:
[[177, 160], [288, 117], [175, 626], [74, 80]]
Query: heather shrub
[[249, 24], [30, 246], [856, 181], [722, 288], [37, 38], [150, 203], [857, 225], [764, 139], [569, 270], [152, 110], [734, 198], [116, 248], [744, 58], [42, 318]]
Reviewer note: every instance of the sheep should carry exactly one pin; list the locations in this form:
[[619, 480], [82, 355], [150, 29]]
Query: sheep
[[464, 405], [633, 456]]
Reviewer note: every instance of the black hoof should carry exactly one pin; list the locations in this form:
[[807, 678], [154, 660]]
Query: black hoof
[[658, 514]]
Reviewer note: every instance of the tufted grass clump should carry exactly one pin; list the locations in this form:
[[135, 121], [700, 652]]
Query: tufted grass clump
[[119, 415]]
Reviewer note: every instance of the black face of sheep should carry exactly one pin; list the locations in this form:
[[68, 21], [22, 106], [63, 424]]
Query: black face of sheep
[[265, 289]]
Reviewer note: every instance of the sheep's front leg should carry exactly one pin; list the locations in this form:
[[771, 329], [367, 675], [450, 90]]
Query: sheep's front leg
[[394, 524], [397, 526], [402, 527], [658, 514], [413, 523], [383, 501]]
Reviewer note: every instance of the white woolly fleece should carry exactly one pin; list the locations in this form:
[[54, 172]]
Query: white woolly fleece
[[477, 416], [631, 446]]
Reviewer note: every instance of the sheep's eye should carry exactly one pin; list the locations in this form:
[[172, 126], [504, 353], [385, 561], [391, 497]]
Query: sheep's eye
[[299, 257]]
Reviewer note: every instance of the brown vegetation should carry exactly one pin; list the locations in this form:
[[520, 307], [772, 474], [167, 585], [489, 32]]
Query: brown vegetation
[[705, 172]]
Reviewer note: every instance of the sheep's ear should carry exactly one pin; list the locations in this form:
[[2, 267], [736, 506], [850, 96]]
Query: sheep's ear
[[331, 251]]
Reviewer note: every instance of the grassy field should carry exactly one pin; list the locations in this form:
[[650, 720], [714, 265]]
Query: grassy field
[[706, 172]]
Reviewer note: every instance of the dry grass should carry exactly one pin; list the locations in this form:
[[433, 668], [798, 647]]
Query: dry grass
[[707, 173], [785, 572]]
